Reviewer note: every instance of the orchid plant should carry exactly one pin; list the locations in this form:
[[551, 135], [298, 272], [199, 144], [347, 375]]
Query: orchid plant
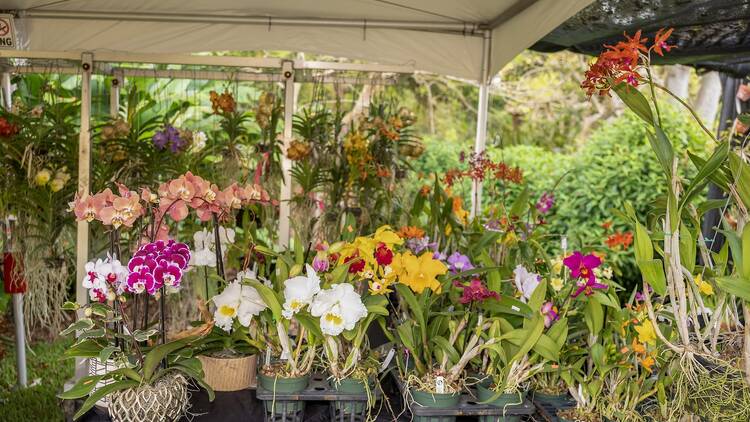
[[674, 285]]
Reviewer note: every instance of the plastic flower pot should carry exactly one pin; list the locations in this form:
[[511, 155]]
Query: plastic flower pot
[[435, 401], [486, 395], [284, 410], [231, 373], [351, 409], [558, 401]]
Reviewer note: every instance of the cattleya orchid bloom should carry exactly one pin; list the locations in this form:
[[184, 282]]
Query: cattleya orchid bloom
[[549, 311], [476, 291], [582, 267], [526, 282], [421, 272], [339, 309], [458, 263], [299, 292], [237, 301]]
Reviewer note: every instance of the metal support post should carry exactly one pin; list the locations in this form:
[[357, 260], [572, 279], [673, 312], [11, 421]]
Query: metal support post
[[114, 94], [480, 141]]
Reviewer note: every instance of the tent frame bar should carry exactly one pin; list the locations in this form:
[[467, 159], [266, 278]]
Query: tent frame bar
[[188, 74], [464, 28], [217, 61]]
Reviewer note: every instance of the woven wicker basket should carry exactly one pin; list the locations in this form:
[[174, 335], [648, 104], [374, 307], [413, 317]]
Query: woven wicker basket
[[229, 374], [166, 400]]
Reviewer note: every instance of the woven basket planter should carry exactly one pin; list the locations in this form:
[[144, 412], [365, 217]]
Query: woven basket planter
[[229, 374], [166, 400]]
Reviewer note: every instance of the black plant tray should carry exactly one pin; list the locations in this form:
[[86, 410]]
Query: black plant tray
[[548, 411], [318, 390], [469, 406]]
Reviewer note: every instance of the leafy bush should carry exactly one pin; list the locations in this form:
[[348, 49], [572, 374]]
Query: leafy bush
[[615, 166]]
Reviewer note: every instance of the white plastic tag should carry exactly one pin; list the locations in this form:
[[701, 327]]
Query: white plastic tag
[[440, 385], [388, 359], [268, 357], [515, 308]]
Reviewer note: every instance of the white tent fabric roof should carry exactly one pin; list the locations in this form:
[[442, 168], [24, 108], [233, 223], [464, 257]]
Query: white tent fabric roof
[[440, 36]]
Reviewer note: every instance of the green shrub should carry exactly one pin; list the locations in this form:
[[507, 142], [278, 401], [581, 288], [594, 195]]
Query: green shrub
[[616, 165]]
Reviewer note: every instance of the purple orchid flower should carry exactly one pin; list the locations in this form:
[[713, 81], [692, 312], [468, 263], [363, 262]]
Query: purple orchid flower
[[417, 245], [439, 256], [458, 263], [549, 310], [169, 137], [321, 263], [545, 203]]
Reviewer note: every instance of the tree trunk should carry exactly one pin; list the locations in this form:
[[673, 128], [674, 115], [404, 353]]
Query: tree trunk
[[706, 103], [678, 80]]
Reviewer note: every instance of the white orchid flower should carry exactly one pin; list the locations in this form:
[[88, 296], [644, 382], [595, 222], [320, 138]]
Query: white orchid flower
[[525, 282], [299, 292], [227, 305], [339, 309], [251, 305], [203, 258], [226, 236]]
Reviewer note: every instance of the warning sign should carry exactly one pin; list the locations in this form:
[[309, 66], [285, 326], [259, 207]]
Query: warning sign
[[7, 32]]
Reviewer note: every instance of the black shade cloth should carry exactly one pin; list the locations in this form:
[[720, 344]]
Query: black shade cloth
[[709, 34]]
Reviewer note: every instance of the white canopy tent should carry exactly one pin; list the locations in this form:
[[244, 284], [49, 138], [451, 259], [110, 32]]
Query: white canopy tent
[[470, 39]]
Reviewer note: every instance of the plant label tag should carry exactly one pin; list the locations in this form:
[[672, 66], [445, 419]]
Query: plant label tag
[[388, 359], [268, 357], [515, 308], [440, 385], [564, 244]]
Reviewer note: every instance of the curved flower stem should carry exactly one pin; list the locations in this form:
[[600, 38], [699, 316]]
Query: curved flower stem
[[690, 109]]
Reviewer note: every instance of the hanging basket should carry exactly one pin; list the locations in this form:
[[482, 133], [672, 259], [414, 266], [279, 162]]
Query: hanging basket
[[229, 374], [166, 400]]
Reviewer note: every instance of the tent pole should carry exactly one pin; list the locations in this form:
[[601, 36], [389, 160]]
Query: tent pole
[[84, 174], [114, 94], [17, 297], [480, 141], [287, 71]]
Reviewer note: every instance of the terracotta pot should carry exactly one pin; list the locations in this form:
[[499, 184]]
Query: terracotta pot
[[230, 374]]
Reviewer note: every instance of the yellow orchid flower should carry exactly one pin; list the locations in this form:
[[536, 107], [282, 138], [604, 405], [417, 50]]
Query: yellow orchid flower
[[556, 283], [703, 285], [646, 333], [421, 272], [384, 234]]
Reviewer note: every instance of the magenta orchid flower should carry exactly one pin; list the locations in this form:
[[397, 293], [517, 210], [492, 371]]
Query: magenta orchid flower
[[156, 265], [476, 291], [549, 310], [141, 281], [167, 274], [582, 267]]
